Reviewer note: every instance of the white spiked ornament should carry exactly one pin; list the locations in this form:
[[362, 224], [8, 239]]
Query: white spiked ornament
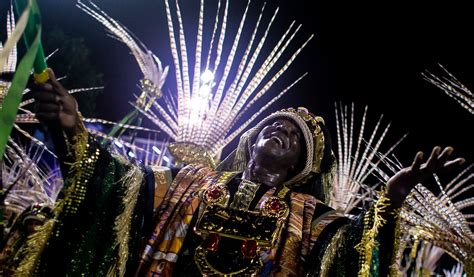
[[453, 88], [442, 220], [25, 116], [225, 80], [358, 157]]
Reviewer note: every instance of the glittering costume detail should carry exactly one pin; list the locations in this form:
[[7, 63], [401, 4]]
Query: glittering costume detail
[[162, 176], [244, 195], [216, 194], [394, 266], [256, 231], [188, 153], [331, 251], [109, 218], [81, 171], [74, 193], [132, 182], [373, 221]]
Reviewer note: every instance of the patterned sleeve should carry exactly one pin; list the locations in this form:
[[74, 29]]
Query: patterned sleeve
[[352, 247]]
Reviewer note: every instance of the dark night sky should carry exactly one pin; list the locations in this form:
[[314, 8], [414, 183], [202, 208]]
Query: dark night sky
[[370, 53]]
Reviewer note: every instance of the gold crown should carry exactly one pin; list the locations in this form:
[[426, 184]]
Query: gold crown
[[313, 122]]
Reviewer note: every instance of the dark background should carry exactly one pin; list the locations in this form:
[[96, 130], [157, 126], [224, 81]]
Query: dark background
[[368, 53]]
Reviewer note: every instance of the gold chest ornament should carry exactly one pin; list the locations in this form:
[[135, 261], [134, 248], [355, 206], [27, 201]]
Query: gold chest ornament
[[255, 231]]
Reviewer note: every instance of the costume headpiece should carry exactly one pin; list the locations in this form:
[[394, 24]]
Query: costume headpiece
[[315, 143]]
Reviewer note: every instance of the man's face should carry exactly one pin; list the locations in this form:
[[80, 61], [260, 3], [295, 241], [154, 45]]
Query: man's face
[[280, 141]]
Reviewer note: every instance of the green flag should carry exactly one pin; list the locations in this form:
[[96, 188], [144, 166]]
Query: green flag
[[32, 36]]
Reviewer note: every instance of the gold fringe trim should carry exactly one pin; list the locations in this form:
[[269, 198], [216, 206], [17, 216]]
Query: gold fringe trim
[[34, 247], [367, 243], [132, 183], [331, 251], [414, 249], [469, 267], [80, 145], [79, 142], [36, 243], [396, 255]]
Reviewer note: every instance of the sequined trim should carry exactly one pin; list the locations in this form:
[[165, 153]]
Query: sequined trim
[[80, 172]]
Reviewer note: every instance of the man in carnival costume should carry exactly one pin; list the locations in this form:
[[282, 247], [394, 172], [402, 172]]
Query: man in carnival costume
[[261, 213]]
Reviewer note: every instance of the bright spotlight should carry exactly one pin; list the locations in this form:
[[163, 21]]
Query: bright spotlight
[[207, 76], [205, 90]]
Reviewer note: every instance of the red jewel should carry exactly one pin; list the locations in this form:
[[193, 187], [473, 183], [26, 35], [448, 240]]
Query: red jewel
[[214, 193], [275, 205], [249, 248], [212, 242]]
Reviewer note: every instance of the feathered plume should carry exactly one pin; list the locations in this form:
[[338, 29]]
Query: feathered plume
[[358, 158], [215, 92], [439, 219], [154, 75], [10, 63], [26, 181], [25, 116], [148, 151], [423, 260], [453, 88]]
